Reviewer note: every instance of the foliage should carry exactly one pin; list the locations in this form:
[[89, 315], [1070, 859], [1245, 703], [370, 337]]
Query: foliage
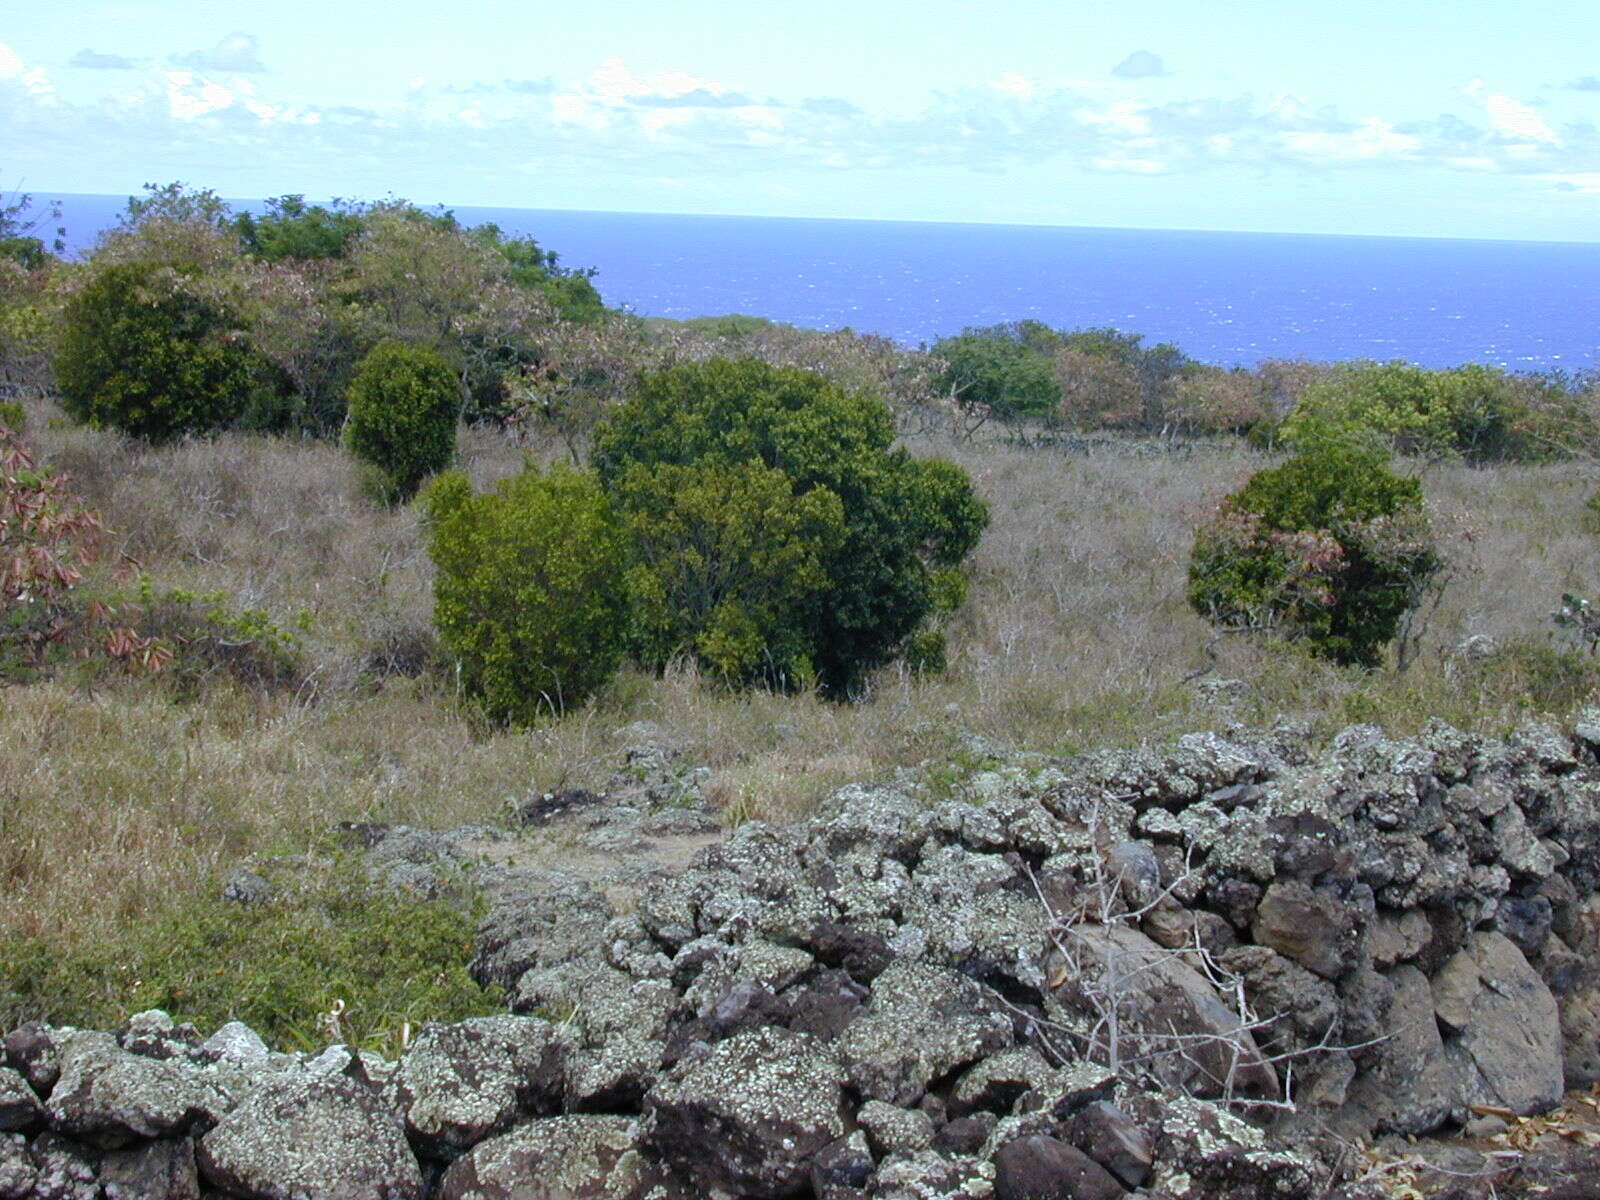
[[20, 242], [727, 559], [48, 543], [999, 371], [206, 636], [1482, 413], [402, 415], [336, 956], [1332, 547], [292, 230], [529, 592], [143, 352], [707, 425]]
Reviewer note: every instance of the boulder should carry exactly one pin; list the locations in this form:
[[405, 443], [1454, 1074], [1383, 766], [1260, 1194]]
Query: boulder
[[1506, 1043], [236, 1045], [892, 1130], [1408, 1086], [1204, 1152], [1114, 1140], [311, 1135], [110, 1097], [554, 1158], [751, 1114], [926, 1175], [922, 1022], [460, 1083], [842, 1168], [33, 1050], [996, 1083], [1312, 926], [64, 1170], [1165, 1009], [1046, 1168]]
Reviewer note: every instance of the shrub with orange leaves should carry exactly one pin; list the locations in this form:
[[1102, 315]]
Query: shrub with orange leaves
[[48, 542]]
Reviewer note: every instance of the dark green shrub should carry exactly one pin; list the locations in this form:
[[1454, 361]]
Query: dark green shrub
[[1331, 547], [140, 351], [731, 428], [402, 407], [529, 596]]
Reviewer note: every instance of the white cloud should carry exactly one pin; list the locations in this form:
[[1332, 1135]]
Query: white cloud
[[35, 79], [1373, 139], [1124, 117], [1014, 83], [236, 54], [1511, 117], [1585, 183], [190, 97]]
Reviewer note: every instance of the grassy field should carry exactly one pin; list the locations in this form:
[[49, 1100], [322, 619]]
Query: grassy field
[[122, 800]]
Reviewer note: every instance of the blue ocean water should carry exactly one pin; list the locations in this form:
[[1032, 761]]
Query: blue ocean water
[[1222, 297]]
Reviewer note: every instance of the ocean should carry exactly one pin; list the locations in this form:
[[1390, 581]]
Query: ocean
[[1225, 298]]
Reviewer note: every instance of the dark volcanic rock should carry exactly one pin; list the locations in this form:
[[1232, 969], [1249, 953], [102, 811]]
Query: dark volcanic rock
[[1114, 1140], [1046, 1168], [162, 1170], [555, 1158]]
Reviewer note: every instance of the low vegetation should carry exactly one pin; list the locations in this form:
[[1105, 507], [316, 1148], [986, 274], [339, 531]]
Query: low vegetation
[[810, 557]]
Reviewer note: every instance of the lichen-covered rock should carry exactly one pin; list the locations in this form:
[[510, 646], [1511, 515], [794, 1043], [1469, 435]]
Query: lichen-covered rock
[[539, 924], [110, 1097], [751, 1114], [311, 1135], [1204, 1152], [19, 1107], [64, 1169], [1506, 1046], [163, 1170], [236, 1045], [922, 1022], [996, 1083], [33, 1050], [17, 1172], [927, 1175], [154, 1034], [615, 1028], [893, 1130], [460, 1083], [553, 1158]]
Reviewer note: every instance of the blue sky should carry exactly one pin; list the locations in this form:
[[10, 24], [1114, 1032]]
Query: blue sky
[[1473, 119]]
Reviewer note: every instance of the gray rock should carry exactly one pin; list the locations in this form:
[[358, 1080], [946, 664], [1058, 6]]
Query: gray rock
[[555, 1158], [1298, 1009], [1311, 926], [841, 1168], [1526, 921], [461, 1083], [245, 886], [615, 1027], [110, 1097], [922, 1022], [1204, 1151], [236, 1045], [300, 1136], [1114, 1140], [750, 1115], [1506, 1047], [163, 1170], [1157, 995], [19, 1107], [892, 1130], [965, 1135], [1046, 1168], [1397, 938], [1409, 1086], [154, 1034], [17, 1173]]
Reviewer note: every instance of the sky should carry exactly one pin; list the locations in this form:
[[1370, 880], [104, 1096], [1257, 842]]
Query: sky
[[1476, 118]]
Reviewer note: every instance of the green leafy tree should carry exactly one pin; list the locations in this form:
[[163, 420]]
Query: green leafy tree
[[402, 406], [290, 229], [726, 561], [1002, 374], [141, 350], [1331, 547], [903, 519], [529, 595]]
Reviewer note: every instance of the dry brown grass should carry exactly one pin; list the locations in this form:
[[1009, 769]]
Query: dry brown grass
[[1076, 632]]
